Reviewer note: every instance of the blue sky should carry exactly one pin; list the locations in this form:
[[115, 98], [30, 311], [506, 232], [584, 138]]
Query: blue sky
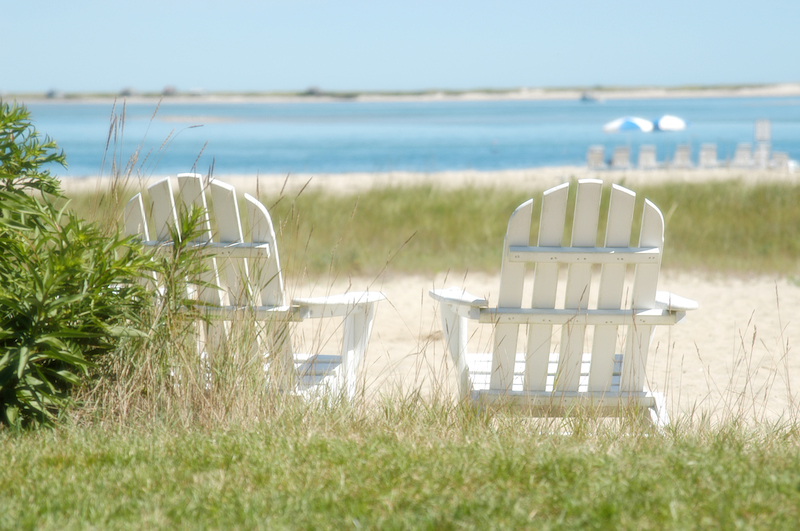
[[102, 45]]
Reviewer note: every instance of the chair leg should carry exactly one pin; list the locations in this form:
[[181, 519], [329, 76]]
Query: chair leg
[[658, 414], [276, 343], [455, 332], [357, 331]]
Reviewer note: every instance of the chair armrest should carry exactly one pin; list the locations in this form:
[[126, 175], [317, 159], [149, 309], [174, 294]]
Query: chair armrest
[[337, 305], [462, 297], [669, 301], [460, 301]]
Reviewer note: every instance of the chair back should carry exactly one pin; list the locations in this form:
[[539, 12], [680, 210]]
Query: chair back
[[611, 275], [240, 272]]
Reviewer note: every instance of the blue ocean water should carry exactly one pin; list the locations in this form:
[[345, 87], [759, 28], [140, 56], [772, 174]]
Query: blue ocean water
[[352, 136]]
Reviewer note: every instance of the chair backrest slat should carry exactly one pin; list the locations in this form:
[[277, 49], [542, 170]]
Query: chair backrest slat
[[545, 286], [512, 278], [610, 291], [135, 219], [233, 273], [645, 285], [193, 196], [579, 282], [162, 209], [265, 274]]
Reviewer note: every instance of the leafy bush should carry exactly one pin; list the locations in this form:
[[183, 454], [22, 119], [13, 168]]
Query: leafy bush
[[22, 153], [68, 289]]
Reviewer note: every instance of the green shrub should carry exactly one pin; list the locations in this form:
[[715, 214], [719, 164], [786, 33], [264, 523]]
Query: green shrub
[[68, 289], [22, 153]]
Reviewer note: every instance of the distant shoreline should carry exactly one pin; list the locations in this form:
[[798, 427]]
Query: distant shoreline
[[528, 178], [598, 94]]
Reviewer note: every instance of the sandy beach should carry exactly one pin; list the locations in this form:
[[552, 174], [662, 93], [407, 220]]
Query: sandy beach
[[530, 178], [733, 355]]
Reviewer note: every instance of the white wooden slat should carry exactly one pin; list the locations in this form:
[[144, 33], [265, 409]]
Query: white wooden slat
[[456, 336], [512, 278], [577, 255], [579, 280], [135, 224], [562, 403], [233, 274], [224, 250], [357, 328], [645, 285], [193, 196], [610, 292], [135, 221], [162, 208], [226, 210], [257, 313], [545, 284], [505, 316], [266, 274]]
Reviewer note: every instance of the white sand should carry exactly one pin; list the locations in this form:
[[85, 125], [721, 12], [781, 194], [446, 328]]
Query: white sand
[[735, 354], [532, 178]]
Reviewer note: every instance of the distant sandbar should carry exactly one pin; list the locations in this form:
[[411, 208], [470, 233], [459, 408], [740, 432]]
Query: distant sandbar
[[596, 94]]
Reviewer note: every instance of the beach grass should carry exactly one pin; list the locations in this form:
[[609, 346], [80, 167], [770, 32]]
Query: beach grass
[[722, 227], [409, 465]]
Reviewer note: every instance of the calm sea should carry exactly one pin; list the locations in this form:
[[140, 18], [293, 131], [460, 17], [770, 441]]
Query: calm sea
[[353, 136]]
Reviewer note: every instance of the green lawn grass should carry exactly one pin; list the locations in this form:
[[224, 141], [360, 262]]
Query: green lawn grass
[[418, 467]]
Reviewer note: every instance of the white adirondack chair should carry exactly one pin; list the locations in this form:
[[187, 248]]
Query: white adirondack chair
[[647, 157], [556, 381], [682, 157], [621, 158], [708, 156], [595, 158], [249, 282]]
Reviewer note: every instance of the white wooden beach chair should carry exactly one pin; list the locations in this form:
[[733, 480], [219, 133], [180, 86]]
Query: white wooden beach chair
[[743, 156], [572, 359], [621, 158], [647, 157], [707, 158], [780, 161], [247, 283], [682, 157], [595, 158], [761, 154]]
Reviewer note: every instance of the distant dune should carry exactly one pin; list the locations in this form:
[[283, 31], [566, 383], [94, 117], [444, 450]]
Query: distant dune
[[589, 93]]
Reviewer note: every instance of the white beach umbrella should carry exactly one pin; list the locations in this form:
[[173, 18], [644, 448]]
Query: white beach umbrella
[[628, 123], [670, 123]]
